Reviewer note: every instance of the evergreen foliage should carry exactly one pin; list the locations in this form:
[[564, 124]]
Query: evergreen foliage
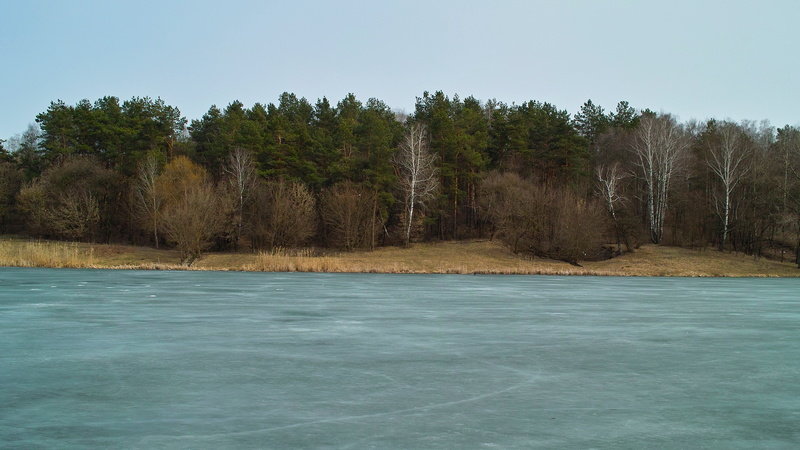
[[327, 169]]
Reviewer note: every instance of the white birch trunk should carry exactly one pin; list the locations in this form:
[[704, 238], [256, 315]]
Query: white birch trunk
[[417, 173], [659, 146], [728, 162], [241, 172]]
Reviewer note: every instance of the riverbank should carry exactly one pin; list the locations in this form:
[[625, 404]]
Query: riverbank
[[463, 257]]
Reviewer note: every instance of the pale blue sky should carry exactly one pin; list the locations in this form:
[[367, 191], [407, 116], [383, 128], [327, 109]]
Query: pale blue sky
[[696, 59]]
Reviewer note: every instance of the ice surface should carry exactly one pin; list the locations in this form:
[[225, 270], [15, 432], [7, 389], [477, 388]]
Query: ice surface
[[242, 360]]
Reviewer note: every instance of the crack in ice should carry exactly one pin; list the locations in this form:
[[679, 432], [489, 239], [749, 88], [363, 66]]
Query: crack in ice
[[354, 417]]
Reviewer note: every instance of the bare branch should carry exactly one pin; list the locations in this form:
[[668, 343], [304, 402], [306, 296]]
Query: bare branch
[[240, 170], [728, 161], [659, 147], [418, 176], [148, 200]]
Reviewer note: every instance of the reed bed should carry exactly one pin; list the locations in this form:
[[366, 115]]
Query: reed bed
[[284, 262], [70, 255], [46, 254]]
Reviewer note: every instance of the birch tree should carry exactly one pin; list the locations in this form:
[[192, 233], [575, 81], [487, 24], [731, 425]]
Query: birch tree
[[241, 176], [609, 181], [417, 173], [788, 143], [659, 145], [147, 198], [792, 185], [728, 161]]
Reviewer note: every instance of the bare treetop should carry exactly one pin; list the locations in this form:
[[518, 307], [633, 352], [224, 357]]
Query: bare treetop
[[659, 147], [418, 175]]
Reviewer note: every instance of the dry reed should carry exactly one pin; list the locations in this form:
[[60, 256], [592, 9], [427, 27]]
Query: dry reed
[[282, 260], [46, 254]]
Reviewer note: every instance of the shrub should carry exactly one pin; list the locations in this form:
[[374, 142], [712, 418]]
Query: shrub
[[542, 220]]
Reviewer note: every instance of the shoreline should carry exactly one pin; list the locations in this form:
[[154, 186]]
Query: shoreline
[[475, 257], [375, 272]]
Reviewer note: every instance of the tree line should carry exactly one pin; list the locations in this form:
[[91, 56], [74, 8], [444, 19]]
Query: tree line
[[360, 175]]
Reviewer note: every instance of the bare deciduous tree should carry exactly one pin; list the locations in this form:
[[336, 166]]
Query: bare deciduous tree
[[32, 200], [75, 216], [179, 176], [241, 176], [192, 220], [659, 146], [609, 187], [511, 205], [10, 183], [542, 220], [148, 199], [72, 199], [728, 160], [283, 214], [792, 185], [193, 213], [348, 215], [417, 173], [577, 230], [789, 146]]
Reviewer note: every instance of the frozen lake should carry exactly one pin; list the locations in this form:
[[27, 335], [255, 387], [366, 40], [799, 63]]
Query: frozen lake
[[132, 359]]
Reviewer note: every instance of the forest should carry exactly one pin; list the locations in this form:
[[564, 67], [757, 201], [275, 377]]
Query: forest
[[358, 175]]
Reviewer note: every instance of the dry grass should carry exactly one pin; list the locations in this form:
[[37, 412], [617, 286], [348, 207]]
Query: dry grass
[[473, 257], [45, 254], [486, 257], [653, 260], [76, 255]]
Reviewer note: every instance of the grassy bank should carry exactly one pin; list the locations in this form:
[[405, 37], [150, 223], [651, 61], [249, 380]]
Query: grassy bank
[[472, 257]]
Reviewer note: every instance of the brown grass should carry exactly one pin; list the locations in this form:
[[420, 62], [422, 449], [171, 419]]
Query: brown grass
[[75, 255], [654, 260], [466, 257], [45, 254]]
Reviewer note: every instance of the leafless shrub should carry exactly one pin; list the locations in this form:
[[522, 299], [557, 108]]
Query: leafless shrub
[[70, 200], [513, 207], [75, 216], [10, 184], [282, 214], [542, 220], [193, 220], [193, 214], [347, 213], [33, 203]]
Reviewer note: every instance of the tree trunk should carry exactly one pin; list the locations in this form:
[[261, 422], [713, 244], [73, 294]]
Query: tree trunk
[[797, 251], [374, 213], [409, 219], [725, 222], [155, 232], [455, 207]]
